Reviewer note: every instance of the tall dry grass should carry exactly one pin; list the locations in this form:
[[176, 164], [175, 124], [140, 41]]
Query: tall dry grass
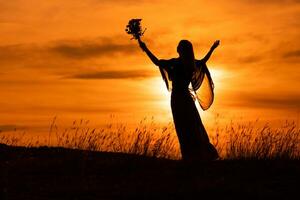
[[233, 141], [146, 139], [251, 141]]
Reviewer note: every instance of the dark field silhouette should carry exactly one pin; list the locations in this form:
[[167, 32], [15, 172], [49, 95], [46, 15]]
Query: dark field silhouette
[[59, 173], [256, 162]]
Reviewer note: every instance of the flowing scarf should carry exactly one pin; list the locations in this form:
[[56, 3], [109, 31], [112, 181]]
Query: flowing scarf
[[202, 84]]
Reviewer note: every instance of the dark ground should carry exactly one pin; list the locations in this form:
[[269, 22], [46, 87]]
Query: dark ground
[[57, 173]]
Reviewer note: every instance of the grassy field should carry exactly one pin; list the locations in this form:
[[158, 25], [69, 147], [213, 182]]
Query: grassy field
[[233, 141], [144, 163]]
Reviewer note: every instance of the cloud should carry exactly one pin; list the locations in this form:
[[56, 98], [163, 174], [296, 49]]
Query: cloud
[[73, 49], [292, 54], [83, 108], [8, 127], [129, 74], [250, 59], [93, 48], [15, 52], [127, 2], [68, 56], [272, 1], [272, 101]]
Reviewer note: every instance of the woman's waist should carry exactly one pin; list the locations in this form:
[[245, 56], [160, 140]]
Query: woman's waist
[[182, 95], [183, 90], [180, 88]]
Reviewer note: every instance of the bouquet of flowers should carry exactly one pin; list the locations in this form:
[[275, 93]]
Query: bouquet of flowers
[[134, 28]]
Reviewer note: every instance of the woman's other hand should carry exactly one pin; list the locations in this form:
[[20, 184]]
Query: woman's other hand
[[216, 44]]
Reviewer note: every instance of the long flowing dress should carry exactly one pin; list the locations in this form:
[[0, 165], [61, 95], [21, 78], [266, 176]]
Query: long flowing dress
[[192, 136]]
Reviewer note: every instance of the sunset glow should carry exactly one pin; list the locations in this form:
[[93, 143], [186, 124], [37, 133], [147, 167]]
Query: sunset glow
[[72, 59]]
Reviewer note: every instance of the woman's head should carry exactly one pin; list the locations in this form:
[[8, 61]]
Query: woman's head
[[186, 54], [184, 47]]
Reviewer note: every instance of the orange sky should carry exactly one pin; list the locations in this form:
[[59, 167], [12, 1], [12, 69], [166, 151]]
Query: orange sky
[[72, 59]]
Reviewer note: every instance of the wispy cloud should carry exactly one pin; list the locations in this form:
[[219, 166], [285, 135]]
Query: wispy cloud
[[250, 59], [17, 52], [67, 56], [292, 54], [93, 48], [271, 101], [8, 127], [271, 1], [78, 49], [129, 74]]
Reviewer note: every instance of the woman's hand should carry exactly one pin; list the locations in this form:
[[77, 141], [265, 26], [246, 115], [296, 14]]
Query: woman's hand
[[216, 44]]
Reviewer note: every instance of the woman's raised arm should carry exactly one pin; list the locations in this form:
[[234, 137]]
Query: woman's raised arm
[[213, 47], [152, 57]]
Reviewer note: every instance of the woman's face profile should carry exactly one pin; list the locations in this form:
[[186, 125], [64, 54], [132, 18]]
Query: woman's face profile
[[179, 48], [184, 47]]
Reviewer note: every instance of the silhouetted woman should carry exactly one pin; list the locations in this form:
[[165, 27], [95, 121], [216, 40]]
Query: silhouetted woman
[[179, 74]]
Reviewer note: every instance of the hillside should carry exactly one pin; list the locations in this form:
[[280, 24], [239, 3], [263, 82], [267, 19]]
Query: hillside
[[58, 173]]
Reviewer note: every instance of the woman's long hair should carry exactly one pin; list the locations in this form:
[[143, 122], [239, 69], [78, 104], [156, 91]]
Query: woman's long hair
[[186, 53], [202, 83]]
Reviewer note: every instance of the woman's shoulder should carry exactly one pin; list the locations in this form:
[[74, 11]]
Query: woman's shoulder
[[168, 62], [199, 62]]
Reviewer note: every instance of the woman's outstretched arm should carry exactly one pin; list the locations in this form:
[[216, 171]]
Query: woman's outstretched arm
[[148, 52], [213, 47]]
